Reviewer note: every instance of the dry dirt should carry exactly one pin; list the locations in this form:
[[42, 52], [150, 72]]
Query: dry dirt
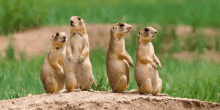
[[84, 100]]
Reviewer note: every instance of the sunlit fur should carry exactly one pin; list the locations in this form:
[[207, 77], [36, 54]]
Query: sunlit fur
[[77, 66], [52, 74], [146, 73], [118, 60]]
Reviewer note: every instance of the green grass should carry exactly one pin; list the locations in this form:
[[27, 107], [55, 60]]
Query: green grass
[[194, 79], [16, 15]]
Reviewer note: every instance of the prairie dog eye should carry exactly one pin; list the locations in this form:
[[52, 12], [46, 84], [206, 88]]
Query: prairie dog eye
[[79, 18], [121, 24], [71, 22], [146, 29]]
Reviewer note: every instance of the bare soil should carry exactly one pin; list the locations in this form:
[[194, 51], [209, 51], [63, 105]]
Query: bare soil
[[84, 100]]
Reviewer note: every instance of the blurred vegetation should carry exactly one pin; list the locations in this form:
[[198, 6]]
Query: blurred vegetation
[[16, 15]]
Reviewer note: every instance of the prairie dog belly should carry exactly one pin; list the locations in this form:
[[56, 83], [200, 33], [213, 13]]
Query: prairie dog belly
[[144, 71]]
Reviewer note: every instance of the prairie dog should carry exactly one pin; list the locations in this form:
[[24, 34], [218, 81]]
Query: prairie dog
[[77, 66], [52, 74], [146, 73], [117, 59]]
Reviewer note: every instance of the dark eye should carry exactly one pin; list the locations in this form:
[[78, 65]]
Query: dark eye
[[57, 34], [79, 18], [146, 29], [71, 22], [121, 24]]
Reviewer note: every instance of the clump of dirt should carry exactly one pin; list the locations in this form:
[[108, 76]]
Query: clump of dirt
[[104, 100]]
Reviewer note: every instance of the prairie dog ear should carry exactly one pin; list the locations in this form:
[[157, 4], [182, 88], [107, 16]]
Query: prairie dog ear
[[113, 28], [139, 32], [56, 37]]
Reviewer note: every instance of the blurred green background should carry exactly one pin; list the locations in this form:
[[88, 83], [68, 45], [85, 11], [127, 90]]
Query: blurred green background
[[20, 14], [193, 78]]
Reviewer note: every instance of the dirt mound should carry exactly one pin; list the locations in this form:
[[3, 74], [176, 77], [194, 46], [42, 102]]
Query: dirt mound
[[104, 100]]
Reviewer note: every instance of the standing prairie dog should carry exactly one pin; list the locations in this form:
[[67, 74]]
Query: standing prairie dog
[[52, 74], [146, 73], [117, 58], [77, 66]]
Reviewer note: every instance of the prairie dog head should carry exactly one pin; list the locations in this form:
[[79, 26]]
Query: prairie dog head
[[120, 29], [59, 39], [77, 24], [147, 34]]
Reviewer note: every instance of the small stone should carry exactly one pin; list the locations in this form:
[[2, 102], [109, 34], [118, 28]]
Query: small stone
[[29, 95], [50, 106], [127, 102], [39, 108], [91, 90], [46, 102]]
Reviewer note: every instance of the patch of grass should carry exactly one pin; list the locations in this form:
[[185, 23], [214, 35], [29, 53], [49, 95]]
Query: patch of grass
[[199, 42], [16, 15], [10, 52], [217, 43], [20, 77]]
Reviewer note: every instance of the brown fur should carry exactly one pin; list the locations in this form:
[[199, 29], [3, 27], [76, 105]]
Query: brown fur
[[117, 58], [52, 75], [77, 67], [146, 73]]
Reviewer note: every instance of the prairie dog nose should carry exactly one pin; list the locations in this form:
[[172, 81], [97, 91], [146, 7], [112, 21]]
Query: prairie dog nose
[[71, 23], [129, 27]]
